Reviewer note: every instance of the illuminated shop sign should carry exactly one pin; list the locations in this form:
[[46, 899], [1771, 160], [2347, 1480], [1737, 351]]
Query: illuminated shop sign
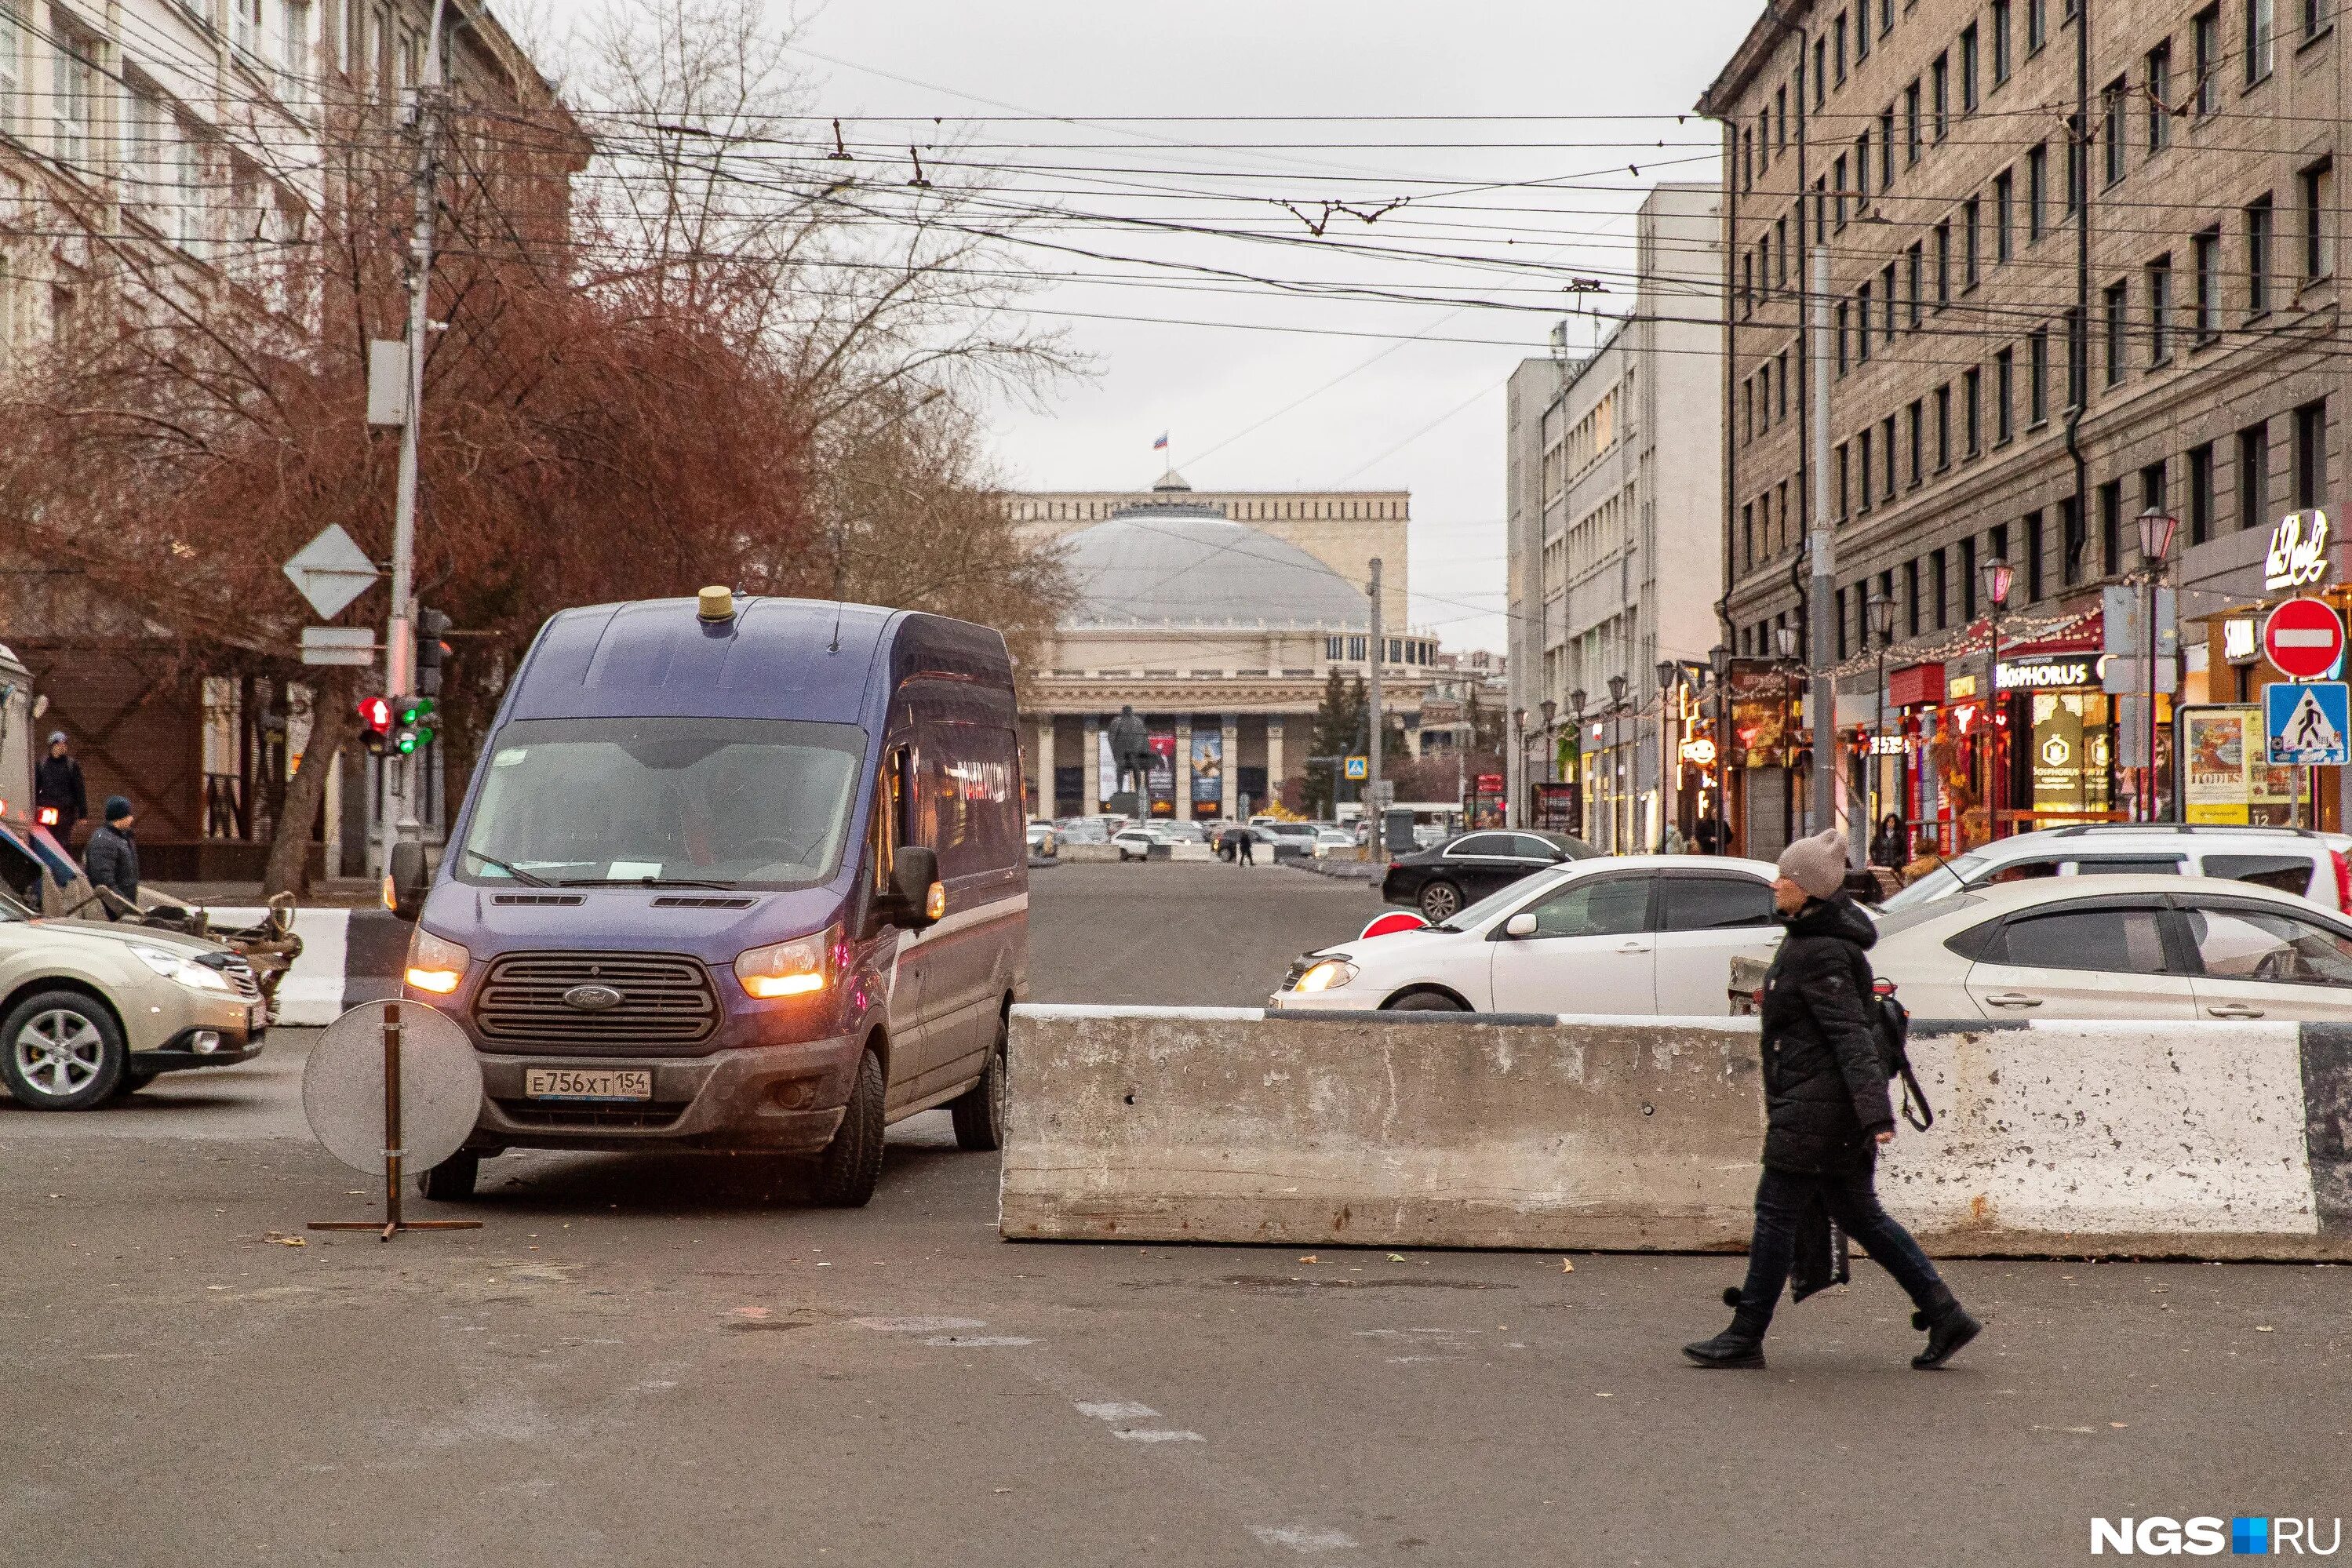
[[2237, 642], [2047, 672], [2298, 555]]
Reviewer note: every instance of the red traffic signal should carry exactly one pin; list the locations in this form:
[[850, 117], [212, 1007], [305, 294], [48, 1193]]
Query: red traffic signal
[[375, 714]]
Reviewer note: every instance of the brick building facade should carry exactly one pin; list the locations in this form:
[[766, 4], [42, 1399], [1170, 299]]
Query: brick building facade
[[2082, 261]]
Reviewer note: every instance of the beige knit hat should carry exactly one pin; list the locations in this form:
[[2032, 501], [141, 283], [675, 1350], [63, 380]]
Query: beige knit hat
[[1816, 864]]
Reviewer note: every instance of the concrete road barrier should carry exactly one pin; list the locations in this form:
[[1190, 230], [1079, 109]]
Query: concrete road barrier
[[1458, 1130], [349, 957]]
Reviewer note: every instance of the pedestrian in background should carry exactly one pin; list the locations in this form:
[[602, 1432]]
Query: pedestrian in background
[[112, 858], [58, 787], [1886, 847], [1827, 1110], [1244, 837], [1708, 835]]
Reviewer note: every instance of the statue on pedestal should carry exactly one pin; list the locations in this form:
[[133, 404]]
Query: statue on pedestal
[[1131, 753]]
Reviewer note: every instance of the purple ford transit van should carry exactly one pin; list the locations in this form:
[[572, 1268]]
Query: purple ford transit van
[[741, 877]]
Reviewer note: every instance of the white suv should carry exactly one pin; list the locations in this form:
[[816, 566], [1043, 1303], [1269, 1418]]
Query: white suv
[[2293, 860]]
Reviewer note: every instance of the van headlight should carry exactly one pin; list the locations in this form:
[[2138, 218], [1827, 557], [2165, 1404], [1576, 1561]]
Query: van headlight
[[799, 967], [435, 964], [177, 966], [1326, 975]]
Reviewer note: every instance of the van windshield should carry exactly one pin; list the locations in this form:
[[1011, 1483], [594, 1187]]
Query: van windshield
[[760, 803]]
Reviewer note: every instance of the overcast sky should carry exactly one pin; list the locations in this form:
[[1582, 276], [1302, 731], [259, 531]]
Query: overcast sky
[[1372, 397]]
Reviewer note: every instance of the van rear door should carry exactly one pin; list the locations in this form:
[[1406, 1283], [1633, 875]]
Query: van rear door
[[967, 783]]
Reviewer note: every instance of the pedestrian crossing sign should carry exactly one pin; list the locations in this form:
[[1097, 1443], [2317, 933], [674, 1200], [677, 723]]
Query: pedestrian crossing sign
[[1359, 768], [2308, 723]]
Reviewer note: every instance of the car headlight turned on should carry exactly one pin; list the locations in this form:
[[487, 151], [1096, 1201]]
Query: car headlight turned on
[[435, 964], [177, 966], [801, 968], [1326, 975]]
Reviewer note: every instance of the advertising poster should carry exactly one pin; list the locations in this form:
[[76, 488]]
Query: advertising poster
[[2214, 784], [1762, 702], [1159, 779], [1208, 772]]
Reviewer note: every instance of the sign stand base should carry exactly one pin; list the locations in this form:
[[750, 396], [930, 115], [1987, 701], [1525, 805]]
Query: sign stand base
[[393, 1224]]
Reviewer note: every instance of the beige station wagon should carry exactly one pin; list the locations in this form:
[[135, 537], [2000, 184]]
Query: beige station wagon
[[90, 1010]]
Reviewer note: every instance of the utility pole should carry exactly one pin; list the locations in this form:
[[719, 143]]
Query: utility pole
[[400, 641], [1821, 628], [1372, 713]]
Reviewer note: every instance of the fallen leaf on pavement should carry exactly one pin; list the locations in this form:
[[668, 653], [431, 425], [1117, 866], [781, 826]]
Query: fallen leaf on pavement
[[1310, 1258], [1396, 1257], [2264, 1328], [1566, 1267]]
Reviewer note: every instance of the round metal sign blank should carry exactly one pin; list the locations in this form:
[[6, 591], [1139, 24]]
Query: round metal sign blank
[[440, 1087]]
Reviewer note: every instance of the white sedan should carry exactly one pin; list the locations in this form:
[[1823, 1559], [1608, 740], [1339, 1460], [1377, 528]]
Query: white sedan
[[1624, 934], [2120, 947]]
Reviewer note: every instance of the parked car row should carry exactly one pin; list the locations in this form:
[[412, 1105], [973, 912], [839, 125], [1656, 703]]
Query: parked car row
[[2145, 923]]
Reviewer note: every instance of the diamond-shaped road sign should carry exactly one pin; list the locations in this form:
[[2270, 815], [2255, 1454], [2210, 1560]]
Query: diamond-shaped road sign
[[331, 571]]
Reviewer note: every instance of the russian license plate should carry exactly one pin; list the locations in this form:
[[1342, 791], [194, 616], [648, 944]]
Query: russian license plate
[[587, 1083]]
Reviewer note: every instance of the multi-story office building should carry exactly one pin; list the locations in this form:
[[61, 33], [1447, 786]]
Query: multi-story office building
[[2081, 261], [1614, 499]]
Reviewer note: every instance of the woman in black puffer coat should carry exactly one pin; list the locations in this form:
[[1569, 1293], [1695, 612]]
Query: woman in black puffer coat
[[1827, 1110]]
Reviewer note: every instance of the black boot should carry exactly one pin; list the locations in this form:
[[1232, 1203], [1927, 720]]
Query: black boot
[[1949, 1327], [1739, 1346]]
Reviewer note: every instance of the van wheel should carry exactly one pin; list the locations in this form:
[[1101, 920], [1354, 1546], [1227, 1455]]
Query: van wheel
[[61, 1051], [851, 1165], [979, 1111], [451, 1181], [1440, 902]]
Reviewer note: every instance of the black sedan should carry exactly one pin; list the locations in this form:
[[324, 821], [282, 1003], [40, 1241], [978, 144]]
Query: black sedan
[[1438, 881]]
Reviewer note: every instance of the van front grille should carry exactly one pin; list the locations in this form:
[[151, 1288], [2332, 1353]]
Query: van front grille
[[665, 999]]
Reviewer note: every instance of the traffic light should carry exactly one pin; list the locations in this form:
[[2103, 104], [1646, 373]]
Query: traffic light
[[431, 627], [414, 725], [376, 724]]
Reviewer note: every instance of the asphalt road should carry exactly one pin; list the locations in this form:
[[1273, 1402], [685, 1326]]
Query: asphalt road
[[675, 1361]]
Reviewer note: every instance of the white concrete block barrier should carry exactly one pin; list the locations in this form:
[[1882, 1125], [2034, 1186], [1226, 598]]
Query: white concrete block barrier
[[349, 957], [1641, 1134]]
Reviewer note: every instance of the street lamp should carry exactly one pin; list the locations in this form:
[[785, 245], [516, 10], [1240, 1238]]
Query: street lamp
[[1616, 761], [1999, 577], [1718, 663], [1551, 748], [1784, 638], [2157, 528], [1584, 773], [1519, 729], [1670, 681]]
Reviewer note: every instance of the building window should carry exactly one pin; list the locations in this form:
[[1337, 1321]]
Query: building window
[[12, 83], [1820, 71], [2111, 126], [2037, 25], [2315, 17], [1886, 285], [2254, 476], [2072, 541], [1837, 199], [2160, 310], [2115, 301], [2206, 32], [2160, 98], [1911, 141], [1861, 311], [1937, 561], [1943, 427], [1861, 171], [1845, 453], [1943, 265], [2037, 188], [2206, 252], [1862, 469], [1916, 280], [2078, 359], [1844, 328], [73, 100], [2004, 192], [1841, 622], [1780, 114], [1972, 410], [2258, 39], [1747, 536], [1999, 41], [1887, 149], [2037, 377], [2111, 527], [1971, 241], [2259, 221], [1968, 581], [2032, 558], [2316, 184], [1916, 418], [1911, 594], [2200, 493], [1886, 446], [1968, 69], [2004, 396], [1940, 76], [2311, 455], [1781, 409], [1861, 33], [1837, 31]]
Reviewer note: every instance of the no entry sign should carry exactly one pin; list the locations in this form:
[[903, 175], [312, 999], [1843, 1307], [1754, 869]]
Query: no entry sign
[[2302, 638]]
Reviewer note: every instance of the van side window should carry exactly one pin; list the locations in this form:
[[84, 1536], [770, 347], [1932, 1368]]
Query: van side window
[[968, 799], [884, 829], [2288, 873]]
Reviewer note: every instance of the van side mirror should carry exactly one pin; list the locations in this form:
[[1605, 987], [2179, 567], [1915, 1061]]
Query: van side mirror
[[405, 881], [1523, 923], [916, 893]]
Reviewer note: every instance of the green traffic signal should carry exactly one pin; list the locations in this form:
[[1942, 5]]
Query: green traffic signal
[[406, 742], [416, 710]]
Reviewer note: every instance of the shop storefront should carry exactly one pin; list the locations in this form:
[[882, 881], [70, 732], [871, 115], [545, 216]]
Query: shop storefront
[[1768, 756]]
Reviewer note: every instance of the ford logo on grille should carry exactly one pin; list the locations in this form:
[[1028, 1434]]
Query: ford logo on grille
[[592, 998]]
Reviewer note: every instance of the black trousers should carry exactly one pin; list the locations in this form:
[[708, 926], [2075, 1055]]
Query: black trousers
[[1852, 1199]]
